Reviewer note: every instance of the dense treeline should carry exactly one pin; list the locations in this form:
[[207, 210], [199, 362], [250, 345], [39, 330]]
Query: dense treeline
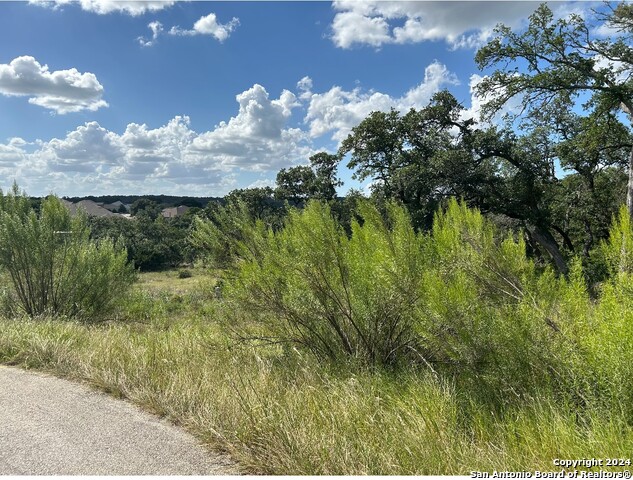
[[151, 243]]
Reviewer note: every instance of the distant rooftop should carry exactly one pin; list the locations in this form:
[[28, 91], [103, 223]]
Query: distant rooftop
[[92, 209], [174, 211]]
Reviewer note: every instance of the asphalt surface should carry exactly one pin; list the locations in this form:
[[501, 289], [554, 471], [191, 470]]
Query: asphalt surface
[[50, 426]]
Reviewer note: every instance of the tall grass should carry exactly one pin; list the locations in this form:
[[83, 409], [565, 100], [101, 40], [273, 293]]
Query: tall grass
[[285, 414]]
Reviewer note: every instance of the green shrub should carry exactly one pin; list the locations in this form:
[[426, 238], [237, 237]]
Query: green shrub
[[53, 266], [231, 234], [488, 316], [184, 273], [607, 339], [617, 252], [341, 297], [460, 300]]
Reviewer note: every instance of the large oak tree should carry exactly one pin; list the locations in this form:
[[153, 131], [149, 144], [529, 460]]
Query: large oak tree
[[555, 61]]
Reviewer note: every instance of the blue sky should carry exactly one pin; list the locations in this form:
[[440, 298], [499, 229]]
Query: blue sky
[[199, 98]]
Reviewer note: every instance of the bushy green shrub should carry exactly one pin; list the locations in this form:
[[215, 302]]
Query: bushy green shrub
[[53, 266], [617, 251], [184, 273], [342, 297], [487, 315], [231, 234], [462, 301], [607, 338]]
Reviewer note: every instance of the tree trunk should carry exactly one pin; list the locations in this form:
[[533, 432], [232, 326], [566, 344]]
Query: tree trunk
[[588, 239], [566, 239], [629, 187], [547, 241], [629, 207]]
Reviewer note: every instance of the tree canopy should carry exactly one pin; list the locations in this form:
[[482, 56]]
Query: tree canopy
[[554, 61]]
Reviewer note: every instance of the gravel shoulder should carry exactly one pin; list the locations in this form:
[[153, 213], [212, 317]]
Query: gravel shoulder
[[50, 426]]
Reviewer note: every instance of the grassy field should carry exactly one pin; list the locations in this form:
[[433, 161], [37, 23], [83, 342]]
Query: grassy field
[[277, 411]]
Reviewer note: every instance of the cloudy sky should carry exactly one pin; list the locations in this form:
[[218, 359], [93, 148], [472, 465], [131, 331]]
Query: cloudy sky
[[199, 98]]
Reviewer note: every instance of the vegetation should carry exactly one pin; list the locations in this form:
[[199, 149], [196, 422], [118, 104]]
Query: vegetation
[[564, 60], [53, 267], [318, 181], [152, 242], [513, 383], [164, 200], [462, 301], [474, 313], [311, 285]]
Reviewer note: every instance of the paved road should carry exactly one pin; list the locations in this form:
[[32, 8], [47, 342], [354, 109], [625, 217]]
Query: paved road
[[50, 426]]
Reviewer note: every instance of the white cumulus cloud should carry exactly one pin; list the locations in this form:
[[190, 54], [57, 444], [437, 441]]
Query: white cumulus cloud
[[157, 28], [172, 158], [88, 147], [62, 91], [338, 110], [102, 7], [459, 23], [209, 25], [256, 137], [352, 27]]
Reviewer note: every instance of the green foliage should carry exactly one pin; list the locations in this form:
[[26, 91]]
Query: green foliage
[[424, 156], [462, 301], [144, 207], [492, 317], [317, 181], [260, 203], [427, 155], [560, 65], [275, 409], [561, 60], [616, 253], [609, 346], [157, 244], [184, 273], [585, 210], [459, 300], [342, 298], [231, 233], [603, 329], [151, 244], [295, 184], [54, 267], [325, 167]]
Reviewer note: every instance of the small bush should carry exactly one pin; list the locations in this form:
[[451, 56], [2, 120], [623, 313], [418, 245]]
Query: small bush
[[54, 268], [184, 273]]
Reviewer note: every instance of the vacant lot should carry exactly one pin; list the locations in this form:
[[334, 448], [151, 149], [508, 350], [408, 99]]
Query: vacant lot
[[277, 411]]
